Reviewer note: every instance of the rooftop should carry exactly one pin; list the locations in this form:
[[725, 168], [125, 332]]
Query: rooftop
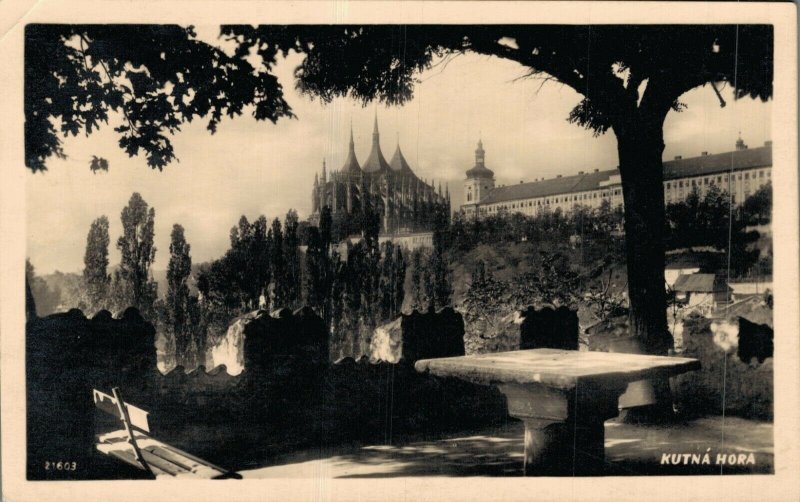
[[399, 163], [673, 169], [699, 283], [351, 164], [479, 170], [376, 162], [721, 162], [553, 186]]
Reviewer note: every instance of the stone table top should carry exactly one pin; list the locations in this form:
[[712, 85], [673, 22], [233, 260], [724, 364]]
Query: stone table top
[[561, 369]]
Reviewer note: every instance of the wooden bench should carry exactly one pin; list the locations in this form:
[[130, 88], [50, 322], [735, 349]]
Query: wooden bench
[[133, 444], [562, 396]]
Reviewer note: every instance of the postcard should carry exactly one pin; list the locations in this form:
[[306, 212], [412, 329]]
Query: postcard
[[399, 251]]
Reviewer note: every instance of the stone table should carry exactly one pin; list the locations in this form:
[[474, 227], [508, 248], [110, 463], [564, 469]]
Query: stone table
[[562, 396]]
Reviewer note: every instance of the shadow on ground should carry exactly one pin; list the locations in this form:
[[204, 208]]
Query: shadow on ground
[[630, 450]]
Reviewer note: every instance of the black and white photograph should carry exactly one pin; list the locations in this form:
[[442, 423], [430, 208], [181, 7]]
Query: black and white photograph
[[310, 247]]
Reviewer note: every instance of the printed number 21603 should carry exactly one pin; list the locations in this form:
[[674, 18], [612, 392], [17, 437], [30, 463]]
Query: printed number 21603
[[60, 466]]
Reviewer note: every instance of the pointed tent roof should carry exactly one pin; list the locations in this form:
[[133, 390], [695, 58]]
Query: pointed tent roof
[[351, 163], [376, 163], [399, 163]]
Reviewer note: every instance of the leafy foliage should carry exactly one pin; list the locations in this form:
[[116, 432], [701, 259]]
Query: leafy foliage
[[160, 77], [486, 295], [178, 302], [133, 283], [235, 281], [709, 221], [44, 298], [95, 273], [291, 257], [491, 304], [758, 207], [594, 232], [605, 303], [98, 164]]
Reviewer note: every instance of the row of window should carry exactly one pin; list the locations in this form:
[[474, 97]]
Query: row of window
[[680, 198], [555, 200], [705, 181], [710, 180]]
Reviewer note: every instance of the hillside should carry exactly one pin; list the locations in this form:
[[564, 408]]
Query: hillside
[[62, 287], [507, 260]]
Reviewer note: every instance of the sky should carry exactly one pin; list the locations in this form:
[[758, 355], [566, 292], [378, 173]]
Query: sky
[[252, 168]]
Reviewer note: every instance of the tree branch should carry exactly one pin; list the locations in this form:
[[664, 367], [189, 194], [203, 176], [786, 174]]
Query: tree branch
[[113, 85]]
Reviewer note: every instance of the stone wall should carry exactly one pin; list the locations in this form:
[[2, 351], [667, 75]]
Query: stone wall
[[419, 336], [260, 333], [300, 334], [67, 355], [523, 329], [745, 388], [288, 396]]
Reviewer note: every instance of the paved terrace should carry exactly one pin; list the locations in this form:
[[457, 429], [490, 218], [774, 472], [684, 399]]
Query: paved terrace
[[630, 450]]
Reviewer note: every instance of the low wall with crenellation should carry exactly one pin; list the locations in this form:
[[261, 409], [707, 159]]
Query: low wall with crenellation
[[288, 395]]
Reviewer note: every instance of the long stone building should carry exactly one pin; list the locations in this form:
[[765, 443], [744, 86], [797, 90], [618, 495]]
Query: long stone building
[[739, 172], [406, 204]]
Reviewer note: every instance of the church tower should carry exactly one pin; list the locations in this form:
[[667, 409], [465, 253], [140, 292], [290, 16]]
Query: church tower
[[376, 163], [479, 181]]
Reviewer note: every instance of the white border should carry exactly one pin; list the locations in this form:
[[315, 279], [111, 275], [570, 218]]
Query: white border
[[784, 485]]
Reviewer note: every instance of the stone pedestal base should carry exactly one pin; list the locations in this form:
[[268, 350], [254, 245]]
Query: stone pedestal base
[[564, 431]]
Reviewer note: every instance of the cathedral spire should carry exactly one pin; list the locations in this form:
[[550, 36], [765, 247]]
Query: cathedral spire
[[398, 162], [324, 172], [376, 163], [376, 135], [351, 164]]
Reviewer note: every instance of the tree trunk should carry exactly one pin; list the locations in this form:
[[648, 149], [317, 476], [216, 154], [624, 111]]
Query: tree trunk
[[640, 144]]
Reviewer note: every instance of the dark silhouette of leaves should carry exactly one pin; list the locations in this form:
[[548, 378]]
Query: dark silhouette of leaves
[[98, 164]]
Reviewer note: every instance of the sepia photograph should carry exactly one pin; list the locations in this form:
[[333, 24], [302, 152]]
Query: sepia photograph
[[297, 249]]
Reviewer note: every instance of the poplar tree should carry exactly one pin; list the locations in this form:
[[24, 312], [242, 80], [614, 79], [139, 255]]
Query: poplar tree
[[278, 265], [138, 253], [178, 306], [291, 258], [628, 78], [95, 272]]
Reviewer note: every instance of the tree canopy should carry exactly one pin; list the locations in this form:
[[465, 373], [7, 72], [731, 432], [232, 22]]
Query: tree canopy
[[138, 252], [159, 77], [629, 77], [95, 272]]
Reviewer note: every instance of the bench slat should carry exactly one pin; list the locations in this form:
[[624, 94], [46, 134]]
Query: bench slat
[[134, 445], [107, 404], [170, 468]]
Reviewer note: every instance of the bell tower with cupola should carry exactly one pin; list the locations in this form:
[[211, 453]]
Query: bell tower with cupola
[[479, 181]]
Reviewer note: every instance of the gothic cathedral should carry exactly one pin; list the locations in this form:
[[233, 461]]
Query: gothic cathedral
[[405, 203]]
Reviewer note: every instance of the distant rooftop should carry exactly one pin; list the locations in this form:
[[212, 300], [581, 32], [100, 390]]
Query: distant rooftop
[[699, 283], [721, 162], [553, 186], [673, 169]]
